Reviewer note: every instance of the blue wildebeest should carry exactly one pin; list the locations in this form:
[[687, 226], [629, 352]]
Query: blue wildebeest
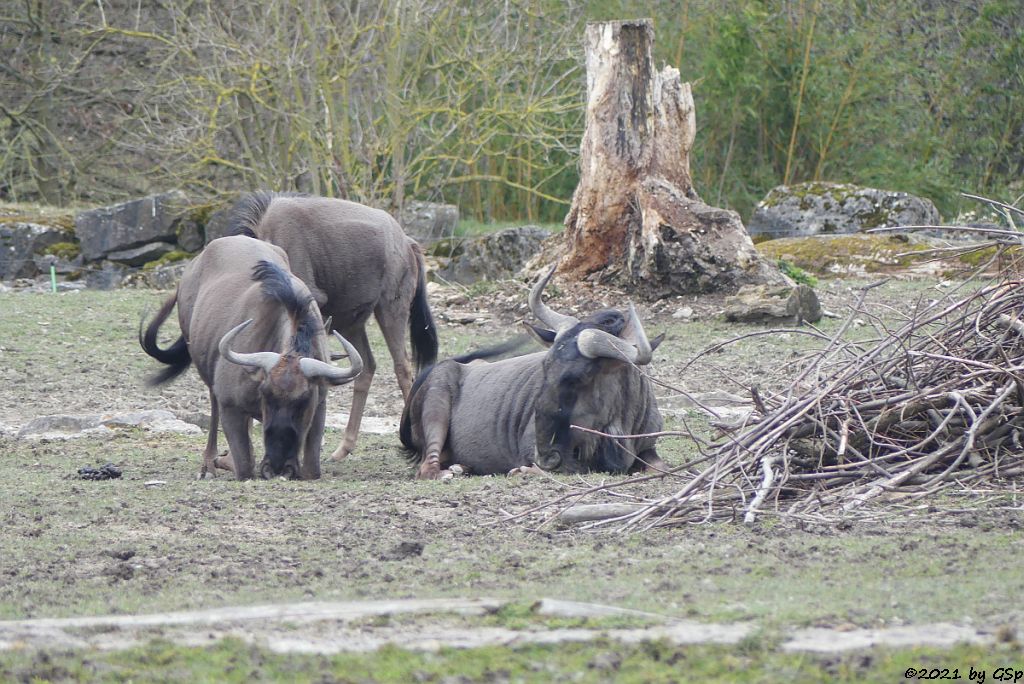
[[256, 337], [356, 261], [507, 415]]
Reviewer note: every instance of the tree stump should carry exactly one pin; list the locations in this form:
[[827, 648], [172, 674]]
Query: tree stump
[[635, 216]]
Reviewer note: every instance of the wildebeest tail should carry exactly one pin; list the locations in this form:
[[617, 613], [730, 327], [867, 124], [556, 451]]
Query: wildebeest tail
[[176, 357], [247, 212], [409, 449], [505, 347], [422, 331]]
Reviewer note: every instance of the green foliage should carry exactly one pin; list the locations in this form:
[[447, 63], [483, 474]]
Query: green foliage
[[482, 104], [797, 274]]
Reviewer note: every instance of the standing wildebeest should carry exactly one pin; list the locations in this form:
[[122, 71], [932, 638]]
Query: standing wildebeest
[[256, 337], [356, 261], [496, 417]]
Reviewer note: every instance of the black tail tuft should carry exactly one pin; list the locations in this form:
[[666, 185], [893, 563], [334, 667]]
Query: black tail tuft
[[176, 357], [500, 349], [409, 450], [422, 331]]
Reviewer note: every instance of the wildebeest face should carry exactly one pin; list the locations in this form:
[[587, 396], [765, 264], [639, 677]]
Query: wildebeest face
[[288, 400], [576, 390], [290, 388], [583, 385]]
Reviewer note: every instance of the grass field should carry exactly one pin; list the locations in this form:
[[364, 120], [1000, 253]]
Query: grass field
[[71, 547]]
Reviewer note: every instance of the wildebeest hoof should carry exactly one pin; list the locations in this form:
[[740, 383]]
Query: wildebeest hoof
[[430, 469], [455, 470], [525, 470]]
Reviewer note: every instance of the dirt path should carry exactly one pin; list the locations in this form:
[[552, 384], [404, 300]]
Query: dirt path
[[428, 625]]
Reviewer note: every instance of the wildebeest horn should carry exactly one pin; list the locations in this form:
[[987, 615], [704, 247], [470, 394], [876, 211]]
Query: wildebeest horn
[[314, 368], [633, 346], [264, 360], [545, 314]]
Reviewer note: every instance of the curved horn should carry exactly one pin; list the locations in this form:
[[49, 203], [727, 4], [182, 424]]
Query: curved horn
[[632, 347], [314, 368], [544, 314], [264, 360], [634, 333], [597, 344]]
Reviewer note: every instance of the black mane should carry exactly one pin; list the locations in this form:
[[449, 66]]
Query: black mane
[[247, 212], [277, 286]]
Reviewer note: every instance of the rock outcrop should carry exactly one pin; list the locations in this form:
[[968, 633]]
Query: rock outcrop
[[836, 208]]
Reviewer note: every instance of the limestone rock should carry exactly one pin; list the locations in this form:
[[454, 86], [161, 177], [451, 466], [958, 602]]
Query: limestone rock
[[138, 256], [428, 222], [493, 257], [768, 304], [835, 208], [21, 242], [130, 224], [105, 276], [217, 224]]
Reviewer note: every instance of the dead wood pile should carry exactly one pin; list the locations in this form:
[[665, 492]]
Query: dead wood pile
[[935, 403]]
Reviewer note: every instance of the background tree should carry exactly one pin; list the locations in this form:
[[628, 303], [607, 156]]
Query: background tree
[[482, 104]]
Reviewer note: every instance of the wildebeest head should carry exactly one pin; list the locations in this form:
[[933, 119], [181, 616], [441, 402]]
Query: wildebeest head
[[291, 385], [583, 384]]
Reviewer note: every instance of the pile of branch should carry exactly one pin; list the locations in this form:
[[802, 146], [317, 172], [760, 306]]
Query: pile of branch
[[935, 403], [932, 404]]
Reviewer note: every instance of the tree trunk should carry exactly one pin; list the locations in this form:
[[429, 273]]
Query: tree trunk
[[635, 216]]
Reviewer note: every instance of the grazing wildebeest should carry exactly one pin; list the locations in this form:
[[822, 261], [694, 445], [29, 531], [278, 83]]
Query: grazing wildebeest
[[256, 337], [501, 416], [356, 261]]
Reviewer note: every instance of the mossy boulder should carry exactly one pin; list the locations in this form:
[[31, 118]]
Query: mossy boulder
[[846, 254], [21, 243], [836, 209]]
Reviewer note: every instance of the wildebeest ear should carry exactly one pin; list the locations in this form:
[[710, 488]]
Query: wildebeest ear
[[543, 335], [657, 340]]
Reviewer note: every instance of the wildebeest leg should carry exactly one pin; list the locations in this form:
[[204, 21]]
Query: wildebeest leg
[[393, 320], [360, 388], [310, 466], [236, 428], [435, 420], [210, 454]]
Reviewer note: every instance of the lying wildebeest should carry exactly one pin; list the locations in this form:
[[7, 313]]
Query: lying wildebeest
[[497, 417], [356, 261], [256, 337]]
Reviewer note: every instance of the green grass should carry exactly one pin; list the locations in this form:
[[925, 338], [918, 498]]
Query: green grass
[[600, 661], [217, 543]]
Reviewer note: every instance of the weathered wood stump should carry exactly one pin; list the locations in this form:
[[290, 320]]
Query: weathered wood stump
[[635, 216]]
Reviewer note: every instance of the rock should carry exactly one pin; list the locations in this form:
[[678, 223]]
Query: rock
[[217, 224], [493, 257], [429, 221], [684, 312], [191, 235], [106, 276], [165, 277], [138, 256], [130, 224], [66, 426], [20, 242], [831, 208], [766, 304], [64, 267]]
